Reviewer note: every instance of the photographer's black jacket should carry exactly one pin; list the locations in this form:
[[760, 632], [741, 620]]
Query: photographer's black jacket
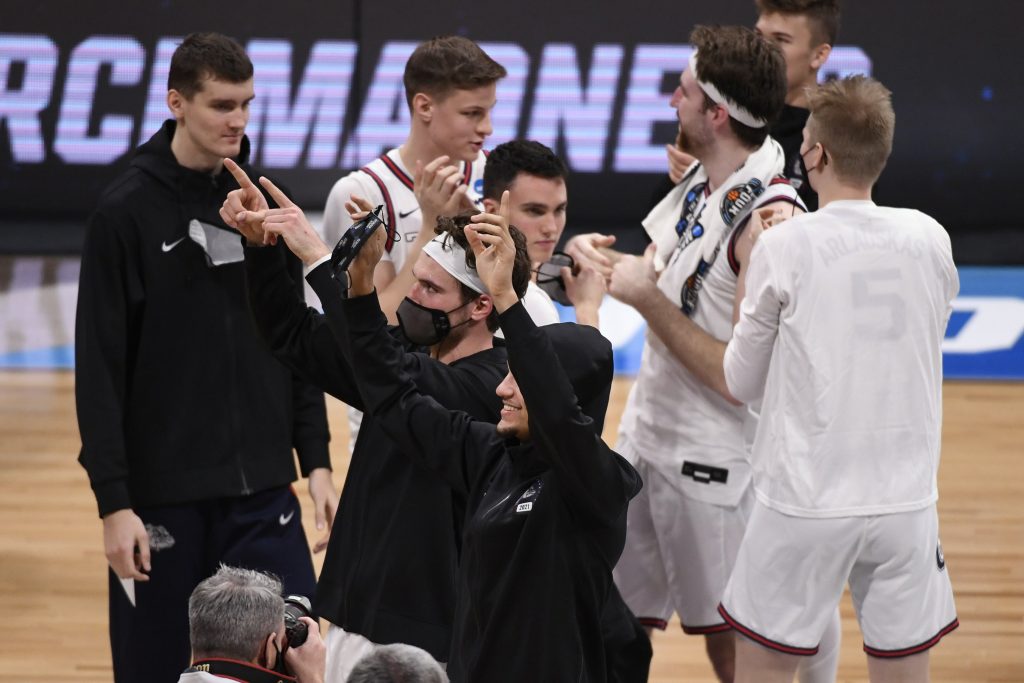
[[178, 398], [545, 520], [389, 573]]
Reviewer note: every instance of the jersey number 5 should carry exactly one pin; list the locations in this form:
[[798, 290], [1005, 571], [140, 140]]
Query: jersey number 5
[[879, 309]]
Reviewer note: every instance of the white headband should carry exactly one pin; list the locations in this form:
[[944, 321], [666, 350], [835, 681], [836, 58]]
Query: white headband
[[735, 110], [452, 258]]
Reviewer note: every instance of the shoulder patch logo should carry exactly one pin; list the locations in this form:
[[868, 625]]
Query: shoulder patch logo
[[739, 198]]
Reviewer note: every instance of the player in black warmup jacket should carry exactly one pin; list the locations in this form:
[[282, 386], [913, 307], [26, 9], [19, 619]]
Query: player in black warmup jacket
[[547, 499]]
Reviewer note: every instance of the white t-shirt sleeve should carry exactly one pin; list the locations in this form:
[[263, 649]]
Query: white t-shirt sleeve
[[952, 276], [539, 305], [749, 352]]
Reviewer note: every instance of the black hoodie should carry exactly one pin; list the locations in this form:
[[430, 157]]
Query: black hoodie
[[178, 398], [545, 519]]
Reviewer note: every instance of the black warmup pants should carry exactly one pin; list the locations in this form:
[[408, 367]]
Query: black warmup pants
[[150, 640]]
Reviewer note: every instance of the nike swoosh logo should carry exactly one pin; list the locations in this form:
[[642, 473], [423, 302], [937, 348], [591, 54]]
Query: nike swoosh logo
[[408, 213], [167, 247], [284, 519]]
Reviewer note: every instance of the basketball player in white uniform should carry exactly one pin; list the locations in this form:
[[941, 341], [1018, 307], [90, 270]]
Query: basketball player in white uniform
[[687, 439], [841, 332], [535, 178], [450, 120]]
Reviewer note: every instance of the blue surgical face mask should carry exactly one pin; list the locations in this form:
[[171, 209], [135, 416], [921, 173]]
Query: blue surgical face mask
[[425, 326]]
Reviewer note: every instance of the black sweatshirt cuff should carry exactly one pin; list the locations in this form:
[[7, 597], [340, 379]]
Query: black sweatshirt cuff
[[516, 319], [313, 453], [260, 255], [112, 496], [321, 276], [363, 312]]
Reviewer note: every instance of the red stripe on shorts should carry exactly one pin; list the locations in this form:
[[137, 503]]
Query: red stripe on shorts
[[771, 644], [653, 622], [914, 649], [704, 630]]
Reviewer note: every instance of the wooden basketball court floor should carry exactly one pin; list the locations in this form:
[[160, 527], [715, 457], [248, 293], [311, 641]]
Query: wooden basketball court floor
[[53, 574]]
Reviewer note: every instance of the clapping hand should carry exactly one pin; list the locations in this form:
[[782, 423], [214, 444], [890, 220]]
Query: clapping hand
[[678, 162], [439, 189], [634, 280]]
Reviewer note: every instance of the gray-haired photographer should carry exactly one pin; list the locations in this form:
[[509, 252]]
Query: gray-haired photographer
[[242, 629]]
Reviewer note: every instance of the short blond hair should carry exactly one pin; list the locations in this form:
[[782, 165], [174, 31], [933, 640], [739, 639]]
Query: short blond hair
[[854, 120]]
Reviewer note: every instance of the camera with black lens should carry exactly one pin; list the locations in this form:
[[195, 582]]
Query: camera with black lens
[[296, 631]]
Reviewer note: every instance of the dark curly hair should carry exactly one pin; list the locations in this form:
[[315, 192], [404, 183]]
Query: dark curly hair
[[454, 228], [747, 69]]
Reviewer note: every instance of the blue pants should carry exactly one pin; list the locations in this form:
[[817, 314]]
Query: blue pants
[[150, 641]]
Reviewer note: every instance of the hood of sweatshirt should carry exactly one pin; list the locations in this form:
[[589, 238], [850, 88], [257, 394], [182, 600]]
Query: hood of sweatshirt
[[586, 357], [156, 159]]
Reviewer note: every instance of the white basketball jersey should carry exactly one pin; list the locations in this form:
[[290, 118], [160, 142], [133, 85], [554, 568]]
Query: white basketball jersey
[[682, 427], [385, 180]]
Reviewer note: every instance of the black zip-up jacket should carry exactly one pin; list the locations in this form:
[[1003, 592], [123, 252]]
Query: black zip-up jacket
[[178, 398], [545, 519], [390, 568]]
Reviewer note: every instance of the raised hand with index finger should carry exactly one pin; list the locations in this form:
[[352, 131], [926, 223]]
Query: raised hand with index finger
[[290, 223], [495, 250], [244, 208]]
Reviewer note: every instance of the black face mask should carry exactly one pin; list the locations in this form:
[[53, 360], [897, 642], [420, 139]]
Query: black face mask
[[549, 277], [425, 326]]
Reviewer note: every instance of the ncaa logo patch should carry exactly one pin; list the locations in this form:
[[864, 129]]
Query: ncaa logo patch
[[478, 186], [940, 559], [739, 198]]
